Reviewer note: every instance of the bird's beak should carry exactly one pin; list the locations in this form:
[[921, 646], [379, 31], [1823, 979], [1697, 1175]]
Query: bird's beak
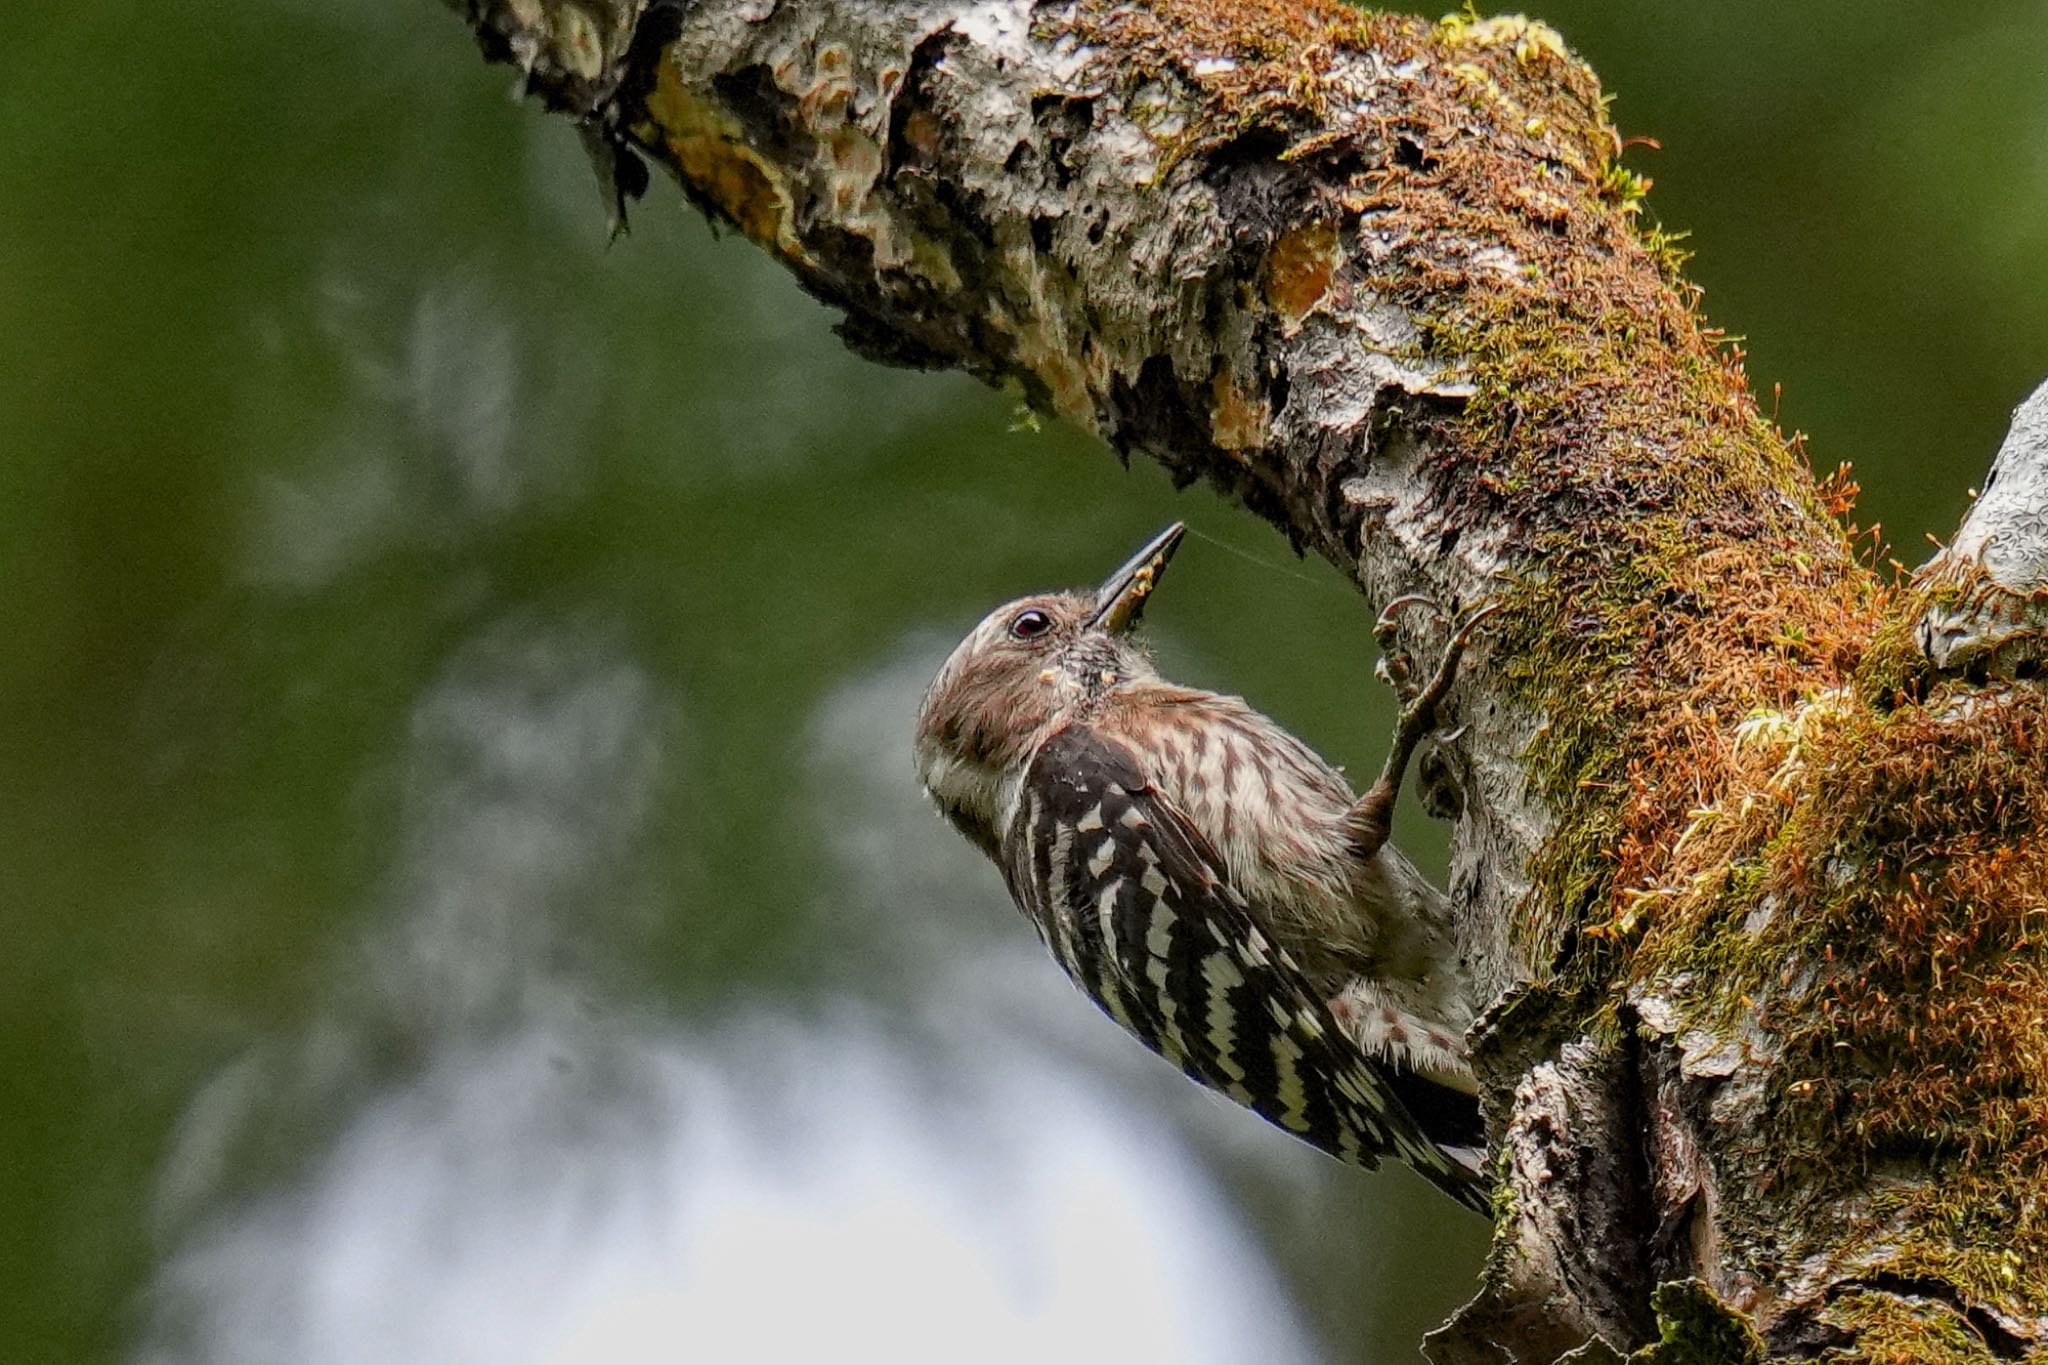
[[1121, 599]]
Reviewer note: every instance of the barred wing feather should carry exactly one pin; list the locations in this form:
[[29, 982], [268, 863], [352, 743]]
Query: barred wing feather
[[1132, 901]]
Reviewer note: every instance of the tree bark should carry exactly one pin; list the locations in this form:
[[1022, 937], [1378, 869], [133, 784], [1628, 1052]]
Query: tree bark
[[1749, 845]]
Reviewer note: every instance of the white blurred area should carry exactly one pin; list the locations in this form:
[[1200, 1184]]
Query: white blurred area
[[773, 1194], [952, 1162]]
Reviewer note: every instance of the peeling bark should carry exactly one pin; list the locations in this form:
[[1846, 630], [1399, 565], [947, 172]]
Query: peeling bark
[[1990, 584], [1747, 843]]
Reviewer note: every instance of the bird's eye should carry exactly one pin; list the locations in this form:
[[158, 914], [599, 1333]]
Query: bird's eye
[[1029, 625]]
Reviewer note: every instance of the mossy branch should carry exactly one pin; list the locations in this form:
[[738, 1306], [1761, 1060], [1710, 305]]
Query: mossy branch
[[1761, 882]]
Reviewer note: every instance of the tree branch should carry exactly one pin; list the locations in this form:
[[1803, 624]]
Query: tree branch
[[1727, 842]]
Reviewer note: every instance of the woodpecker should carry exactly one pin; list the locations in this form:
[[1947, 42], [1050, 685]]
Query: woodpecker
[[1209, 881]]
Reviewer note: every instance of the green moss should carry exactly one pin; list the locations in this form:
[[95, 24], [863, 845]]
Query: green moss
[[1893, 666], [1665, 249], [1623, 188], [1888, 1331], [1695, 1328]]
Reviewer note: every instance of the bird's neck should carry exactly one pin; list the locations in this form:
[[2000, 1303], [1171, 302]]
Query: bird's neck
[[969, 793], [975, 791]]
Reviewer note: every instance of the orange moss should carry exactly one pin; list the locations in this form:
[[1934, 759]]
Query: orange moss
[[1870, 888], [1944, 1016], [1252, 60]]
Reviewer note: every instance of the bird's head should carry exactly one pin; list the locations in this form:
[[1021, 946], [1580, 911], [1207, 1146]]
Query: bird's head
[[1030, 664]]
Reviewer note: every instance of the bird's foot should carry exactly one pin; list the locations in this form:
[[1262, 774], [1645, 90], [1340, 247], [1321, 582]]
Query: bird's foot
[[1372, 817]]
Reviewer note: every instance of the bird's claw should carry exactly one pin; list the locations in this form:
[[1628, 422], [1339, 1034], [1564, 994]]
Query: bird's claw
[[1372, 814], [1424, 703], [1396, 665], [1390, 613]]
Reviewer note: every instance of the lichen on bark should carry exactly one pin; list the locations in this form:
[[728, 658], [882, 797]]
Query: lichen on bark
[[1756, 872]]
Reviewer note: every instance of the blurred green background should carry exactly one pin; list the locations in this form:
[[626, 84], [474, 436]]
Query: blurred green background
[[463, 893]]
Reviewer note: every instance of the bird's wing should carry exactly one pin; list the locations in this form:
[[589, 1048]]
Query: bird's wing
[[1132, 901]]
